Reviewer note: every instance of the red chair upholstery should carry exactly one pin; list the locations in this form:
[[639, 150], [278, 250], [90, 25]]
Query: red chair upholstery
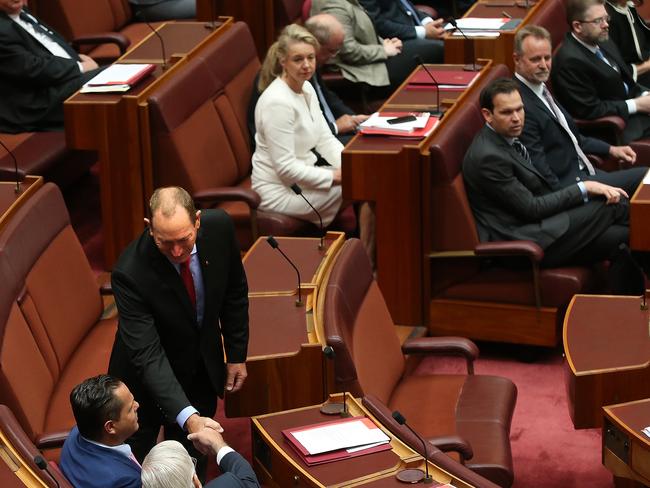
[[472, 293], [103, 29], [21, 451], [465, 413], [52, 334], [200, 140], [44, 154]]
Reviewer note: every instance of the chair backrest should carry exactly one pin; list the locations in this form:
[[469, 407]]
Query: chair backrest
[[49, 300], [359, 327], [453, 226], [199, 135], [74, 18], [552, 16]]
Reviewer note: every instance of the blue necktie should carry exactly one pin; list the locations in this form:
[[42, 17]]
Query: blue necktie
[[601, 56], [411, 10]]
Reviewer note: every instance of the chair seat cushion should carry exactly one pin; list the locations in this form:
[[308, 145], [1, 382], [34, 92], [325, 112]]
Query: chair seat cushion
[[502, 285], [478, 408], [90, 358]]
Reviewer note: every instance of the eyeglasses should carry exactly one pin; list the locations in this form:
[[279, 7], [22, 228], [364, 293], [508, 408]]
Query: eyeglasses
[[598, 21]]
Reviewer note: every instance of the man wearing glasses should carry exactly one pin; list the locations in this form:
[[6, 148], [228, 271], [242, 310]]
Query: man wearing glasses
[[591, 79]]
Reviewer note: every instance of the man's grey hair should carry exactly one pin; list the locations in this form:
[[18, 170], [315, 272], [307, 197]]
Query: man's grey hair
[[168, 465], [536, 31]]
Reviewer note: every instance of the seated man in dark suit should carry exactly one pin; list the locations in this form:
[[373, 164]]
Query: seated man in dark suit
[[94, 454], [420, 33], [511, 200], [169, 464], [38, 71], [555, 146], [591, 79]]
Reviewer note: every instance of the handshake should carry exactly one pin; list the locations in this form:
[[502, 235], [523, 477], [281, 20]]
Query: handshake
[[208, 439]]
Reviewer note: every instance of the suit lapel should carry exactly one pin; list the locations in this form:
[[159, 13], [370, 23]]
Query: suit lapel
[[512, 152]]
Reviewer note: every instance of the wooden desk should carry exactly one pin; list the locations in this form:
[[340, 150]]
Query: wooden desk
[[626, 450], [498, 49], [286, 366], [276, 463], [639, 218], [10, 201], [392, 173], [117, 127], [268, 272], [607, 349]]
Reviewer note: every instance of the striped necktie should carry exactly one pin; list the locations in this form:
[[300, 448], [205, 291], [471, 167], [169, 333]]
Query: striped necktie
[[521, 150]]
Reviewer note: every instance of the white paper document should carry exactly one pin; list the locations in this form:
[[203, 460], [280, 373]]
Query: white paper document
[[343, 435], [646, 178], [377, 121], [478, 23], [118, 74]]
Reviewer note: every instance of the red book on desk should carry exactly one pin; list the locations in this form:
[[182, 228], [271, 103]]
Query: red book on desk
[[334, 455], [458, 78]]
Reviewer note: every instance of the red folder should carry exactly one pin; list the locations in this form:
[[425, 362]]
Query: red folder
[[328, 457], [141, 73], [460, 78]]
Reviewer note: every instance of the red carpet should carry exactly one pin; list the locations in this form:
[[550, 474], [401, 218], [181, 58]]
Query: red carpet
[[547, 450]]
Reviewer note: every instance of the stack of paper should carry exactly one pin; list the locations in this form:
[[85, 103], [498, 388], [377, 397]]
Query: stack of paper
[[377, 124], [117, 78], [338, 439]]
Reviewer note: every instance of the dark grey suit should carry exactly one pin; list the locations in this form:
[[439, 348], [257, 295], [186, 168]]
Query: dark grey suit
[[554, 154], [237, 473], [511, 200]]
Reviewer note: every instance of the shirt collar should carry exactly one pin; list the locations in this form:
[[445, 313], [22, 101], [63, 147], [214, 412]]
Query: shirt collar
[[621, 9], [123, 449], [537, 88], [509, 140], [178, 266]]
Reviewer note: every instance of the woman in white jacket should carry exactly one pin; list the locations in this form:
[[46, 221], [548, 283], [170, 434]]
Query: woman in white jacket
[[293, 142]]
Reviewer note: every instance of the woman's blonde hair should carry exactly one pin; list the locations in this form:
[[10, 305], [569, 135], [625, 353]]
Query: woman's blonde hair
[[271, 67]]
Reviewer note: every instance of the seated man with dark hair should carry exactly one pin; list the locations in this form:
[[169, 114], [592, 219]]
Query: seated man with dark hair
[[581, 223], [38, 71], [94, 454]]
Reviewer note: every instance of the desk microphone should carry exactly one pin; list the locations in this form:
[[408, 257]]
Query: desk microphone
[[298, 191], [418, 60], [42, 464], [162, 42], [212, 25], [334, 408], [400, 419], [467, 67], [274, 244], [16, 172]]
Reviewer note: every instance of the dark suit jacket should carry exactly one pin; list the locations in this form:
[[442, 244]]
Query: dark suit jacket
[[621, 34], [590, 89], [87, 465], [33, 82], [391, 19], [510, 199], [237, 473], [336, 105], [548, 144], [158, 346]]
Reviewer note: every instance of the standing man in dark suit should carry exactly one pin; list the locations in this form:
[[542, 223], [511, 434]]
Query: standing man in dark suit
[[38, 71], [420, 33], [554, 144], [179, 288], [94, 455], [590, 78], [511, 200]]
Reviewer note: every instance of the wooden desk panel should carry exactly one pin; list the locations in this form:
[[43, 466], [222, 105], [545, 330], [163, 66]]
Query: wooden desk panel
[[276, 463], [626, 450], [392, 173], [640, 219], [607, 347], [117, 127]]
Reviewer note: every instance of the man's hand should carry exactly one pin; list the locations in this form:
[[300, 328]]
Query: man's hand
[[392, 47], [611, 193], [87, 63], [195, 423], [236, 376], [643, 103], [349, 123], [434, 30], [207, 441], [624, 153]]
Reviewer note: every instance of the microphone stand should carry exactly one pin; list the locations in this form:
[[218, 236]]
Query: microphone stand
[[467, 67], [400, 419], [418, 59], [13, 156], [298, 191], [275, 245], [212, 25]]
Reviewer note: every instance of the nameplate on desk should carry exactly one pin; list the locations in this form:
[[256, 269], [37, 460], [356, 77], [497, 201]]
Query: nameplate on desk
[[335, 440]]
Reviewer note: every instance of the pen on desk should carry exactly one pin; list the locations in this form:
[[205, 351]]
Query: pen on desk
[[506, 14]]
